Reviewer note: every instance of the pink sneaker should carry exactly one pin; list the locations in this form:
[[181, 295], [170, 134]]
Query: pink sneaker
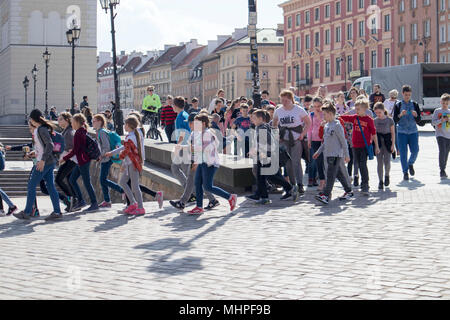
[[196, 211], [138, 212], [105, 204], [160, 198], [131, 208], [232, 201]]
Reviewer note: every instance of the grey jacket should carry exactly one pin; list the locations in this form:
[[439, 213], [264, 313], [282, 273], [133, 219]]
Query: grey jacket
[[334, 144], [103, 142], [68, 134], [46, 140]]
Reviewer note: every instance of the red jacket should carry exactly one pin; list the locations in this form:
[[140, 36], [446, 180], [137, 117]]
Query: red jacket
[[132, 152], [321, 129], [79, 147], [368, 126], [168, 116]]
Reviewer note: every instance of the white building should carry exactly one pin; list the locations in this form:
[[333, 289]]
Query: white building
[[27, 27]]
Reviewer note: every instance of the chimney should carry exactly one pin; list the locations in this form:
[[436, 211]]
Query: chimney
[[191, 45], [239, 33], [122, 53], [212, 45]]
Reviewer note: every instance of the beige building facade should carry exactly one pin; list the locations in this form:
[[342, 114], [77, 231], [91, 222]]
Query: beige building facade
[[26, 29]]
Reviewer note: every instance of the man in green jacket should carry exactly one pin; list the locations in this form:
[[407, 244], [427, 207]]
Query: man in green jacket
[[151, 102]]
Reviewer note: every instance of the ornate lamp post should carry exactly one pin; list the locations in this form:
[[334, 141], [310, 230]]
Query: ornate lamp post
[[46, 56], [26, 83], [34, 72], [118, 115], [252, 20], [72, 36]]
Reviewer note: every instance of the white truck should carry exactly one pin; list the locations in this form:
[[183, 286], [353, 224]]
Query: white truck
[[428, 80]]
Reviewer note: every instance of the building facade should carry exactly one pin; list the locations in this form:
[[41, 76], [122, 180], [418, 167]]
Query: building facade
[[235, 75], [422, 31], [141, 81], [335, 42], [26, 29]]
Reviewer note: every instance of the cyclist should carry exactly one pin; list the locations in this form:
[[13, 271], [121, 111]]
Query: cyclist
[[151, 105]]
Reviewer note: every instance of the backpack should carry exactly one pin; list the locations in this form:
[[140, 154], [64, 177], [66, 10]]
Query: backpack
[[58, 142], [92, 149], [114, 142], [2, 161], [416, 106]]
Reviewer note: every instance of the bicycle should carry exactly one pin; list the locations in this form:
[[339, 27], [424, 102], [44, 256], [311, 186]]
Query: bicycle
[[152, 119]]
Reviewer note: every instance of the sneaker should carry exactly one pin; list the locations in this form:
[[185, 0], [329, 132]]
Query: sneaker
[[406, 176], [387, 181], [286, 195], [411, 170], [138, 212], [35, 213], [356, 181], [105, 204], [322, 198], [315, 183], [22, 216], [347, 196], [264, 202], [177, 204], [160, 199], [310, 183], [443, 174], [381, 185], [2, 213], [11, 210], [79, 205], [212, 204], [253, 197], [70, 204], [295, 193], [232, 201], [196, 211], [365, 192], [300, 189], [192, 199], [92, 208], [130, 208], [54, 216]]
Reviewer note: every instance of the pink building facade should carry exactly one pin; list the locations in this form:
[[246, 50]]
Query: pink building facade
[[333, 43]]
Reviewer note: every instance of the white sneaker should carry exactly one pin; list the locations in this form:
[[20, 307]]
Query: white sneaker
[[2, 213]]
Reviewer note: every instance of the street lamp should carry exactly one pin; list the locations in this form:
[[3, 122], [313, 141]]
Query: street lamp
[[34, 72], [46, 56], [26, 83], [252, 32], [72, 36], [118, 116], [345, 71]]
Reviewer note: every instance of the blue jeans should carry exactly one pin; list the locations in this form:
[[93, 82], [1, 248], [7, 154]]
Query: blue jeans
[[6, 198], [405, 140], [35, 179], [204, 177], [316, 165], [105, 183], [84, 172]]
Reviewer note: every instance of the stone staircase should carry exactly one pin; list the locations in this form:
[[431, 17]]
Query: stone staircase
[[14, 183]]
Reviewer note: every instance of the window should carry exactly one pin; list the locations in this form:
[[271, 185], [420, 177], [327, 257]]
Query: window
[[427, 28], [307, 17], [317, 70], [289, 22], [361, 61], [387, 23], [350, 31], [349, 5], [289, 46], [307, 41], [360, 4], [387, 57], [413, 4], [373, 26], [327, 11], [402, 61], [338, 34], [373, 62], [289, 75], [442, 34], [401, 6], [338, 66], [361, 27], [327, 68], [414, 58], [401, 34], [297, 20], [327, 36], [317, 14], [426, 2], [338, 8], [317, 39], [414, 31], [349, 64], [307, 71], [297, 44]]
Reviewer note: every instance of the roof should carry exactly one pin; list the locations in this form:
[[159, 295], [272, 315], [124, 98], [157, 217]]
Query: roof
[[146, 66], [168, 55], [191, 56], [213, 54], [267, 36], [122, 61], [103, 67], [131, 65]]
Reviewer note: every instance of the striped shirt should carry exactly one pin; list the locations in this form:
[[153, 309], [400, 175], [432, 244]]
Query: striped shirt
[[168, 116]]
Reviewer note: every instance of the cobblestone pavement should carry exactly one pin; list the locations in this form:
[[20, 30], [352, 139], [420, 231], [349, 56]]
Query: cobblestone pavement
[[392, 245]]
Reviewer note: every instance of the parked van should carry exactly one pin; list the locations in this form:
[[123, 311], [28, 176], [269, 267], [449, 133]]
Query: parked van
[[364, 83]]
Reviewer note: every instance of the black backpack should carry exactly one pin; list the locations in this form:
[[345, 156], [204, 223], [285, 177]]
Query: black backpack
[[92, 148]]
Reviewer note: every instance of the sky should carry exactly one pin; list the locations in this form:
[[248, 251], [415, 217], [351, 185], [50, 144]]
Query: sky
[[143, 25]]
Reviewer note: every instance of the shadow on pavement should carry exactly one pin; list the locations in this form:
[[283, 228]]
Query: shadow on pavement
[[412, 184], [117, 221]]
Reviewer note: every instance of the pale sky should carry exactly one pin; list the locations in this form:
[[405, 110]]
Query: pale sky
[[149, 24]]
